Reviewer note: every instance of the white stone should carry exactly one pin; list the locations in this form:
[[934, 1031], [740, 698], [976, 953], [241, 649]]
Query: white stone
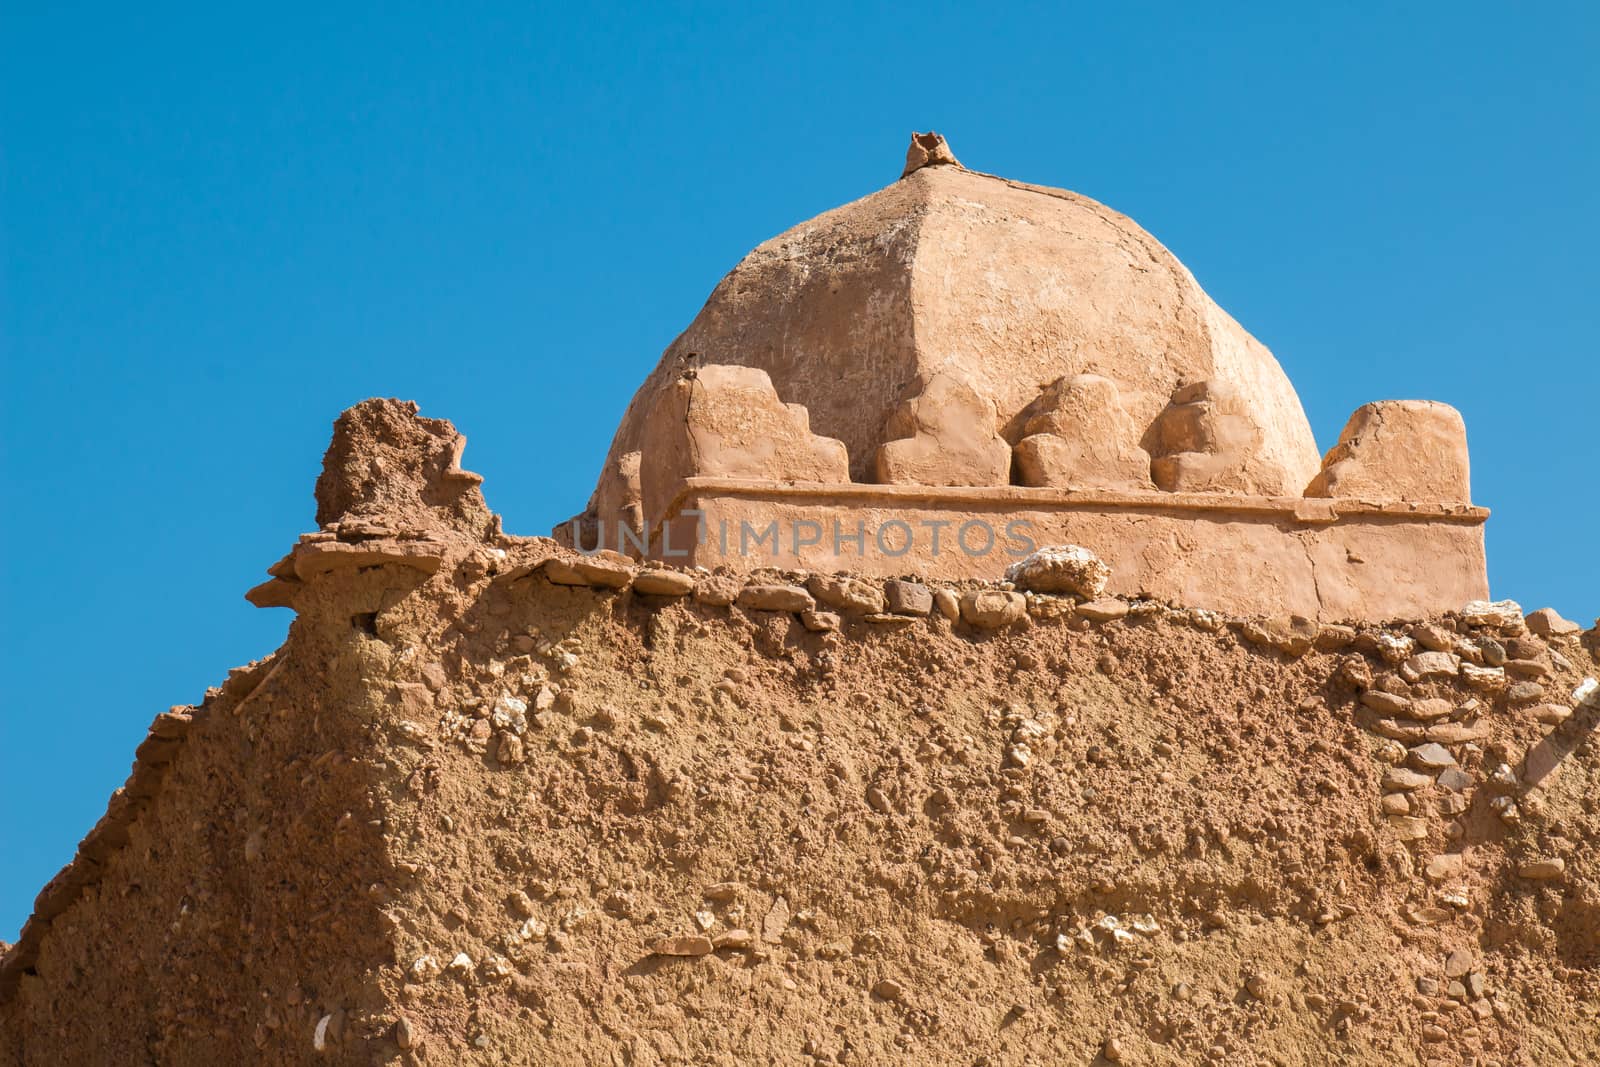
[[1486, 679], [1491, 613], [1395, 647], [1061, 569]]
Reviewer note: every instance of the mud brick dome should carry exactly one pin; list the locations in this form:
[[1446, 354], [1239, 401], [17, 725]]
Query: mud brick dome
[[961, 348]]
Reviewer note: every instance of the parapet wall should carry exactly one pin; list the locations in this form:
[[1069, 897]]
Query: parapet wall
[[729, 475], [1324, 559]]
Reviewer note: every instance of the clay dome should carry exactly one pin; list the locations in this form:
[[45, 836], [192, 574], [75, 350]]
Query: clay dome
[[1005, 287]]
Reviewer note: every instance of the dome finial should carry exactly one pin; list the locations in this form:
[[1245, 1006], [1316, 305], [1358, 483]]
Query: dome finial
[[928, 150]]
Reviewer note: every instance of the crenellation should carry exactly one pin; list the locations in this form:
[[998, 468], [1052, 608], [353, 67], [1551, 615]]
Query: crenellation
[[729, 422], [1207, 441], [1398, 450], [944, 435], [1081, 436]]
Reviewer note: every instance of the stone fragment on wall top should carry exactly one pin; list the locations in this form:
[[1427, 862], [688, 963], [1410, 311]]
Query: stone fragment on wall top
[[1398, 450], [390, 467]]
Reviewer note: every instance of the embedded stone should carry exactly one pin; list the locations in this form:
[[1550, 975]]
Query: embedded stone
[[1386, 703], [688, 945], [1547, 622], [1455, 733], [991, 609], [1409, 827], [1524, 693], [172, 724], [1429, 709], [846, 593], [1431, 665], [605, 570], [656, 582], [1498, 613], [1484, 679], [892, 621], [717, 590], [1400, 779], [1433, 638], [1543, 868], [908, 598], [736, 940], [510, 749], [1527, 668], [1332, 637], [888, 989], [1103, 610], [1431, 756], [819, 621], [775, 597], [1294, 636]]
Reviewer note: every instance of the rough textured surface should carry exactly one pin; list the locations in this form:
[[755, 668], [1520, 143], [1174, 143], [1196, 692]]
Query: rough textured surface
[[469, 813], [385, 464]]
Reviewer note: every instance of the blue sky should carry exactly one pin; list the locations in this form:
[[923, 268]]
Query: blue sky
[[220, 229]]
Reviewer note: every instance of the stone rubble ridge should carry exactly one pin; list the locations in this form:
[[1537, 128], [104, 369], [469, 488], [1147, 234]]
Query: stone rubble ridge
[[1047, 583]]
